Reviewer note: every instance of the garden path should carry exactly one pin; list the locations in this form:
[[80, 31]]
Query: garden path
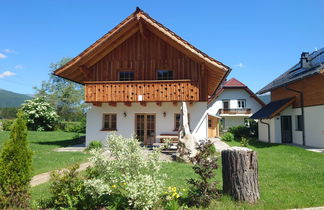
[[220, 145]]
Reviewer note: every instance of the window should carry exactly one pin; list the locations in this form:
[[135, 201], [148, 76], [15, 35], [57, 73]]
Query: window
[[109, 122], [241, 103], [177, 121], [226, 104], [209, 123], [126, 76], [164, 75], [299, 122]]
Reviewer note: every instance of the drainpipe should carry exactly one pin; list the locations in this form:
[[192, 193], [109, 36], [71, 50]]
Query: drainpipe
[[268, 125], [302, 110]]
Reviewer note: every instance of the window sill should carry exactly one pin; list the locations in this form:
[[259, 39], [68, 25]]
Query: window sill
[[108, 130]]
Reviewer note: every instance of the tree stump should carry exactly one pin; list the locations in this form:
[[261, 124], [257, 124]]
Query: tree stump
[[240, 174]]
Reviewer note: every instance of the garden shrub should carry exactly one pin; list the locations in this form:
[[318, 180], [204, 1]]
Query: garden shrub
[[171, 198], [67, 188], [94, 145], [6, 124], [203, 190], [239, 131], [40, 115], [227, 137], [74, 127], [16, 167], [244, 142], [128, 176]]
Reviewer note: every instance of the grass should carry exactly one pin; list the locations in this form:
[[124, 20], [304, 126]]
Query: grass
[[43, 144], [289, 177]]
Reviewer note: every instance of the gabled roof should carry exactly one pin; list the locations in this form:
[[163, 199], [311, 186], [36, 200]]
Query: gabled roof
[[314, 65], [74, 69], [233, 83], [272, 109]]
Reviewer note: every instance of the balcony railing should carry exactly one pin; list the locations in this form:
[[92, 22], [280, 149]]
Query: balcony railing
[[146, 91], [234, 111]]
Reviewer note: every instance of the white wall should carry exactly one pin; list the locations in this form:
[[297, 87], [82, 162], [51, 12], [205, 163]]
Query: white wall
[[233, 95], [314, 124], [126, 125], [234, 121], [264, 133]]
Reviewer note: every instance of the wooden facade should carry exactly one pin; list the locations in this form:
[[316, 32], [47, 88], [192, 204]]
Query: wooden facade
[[141, 45], [312, 88]]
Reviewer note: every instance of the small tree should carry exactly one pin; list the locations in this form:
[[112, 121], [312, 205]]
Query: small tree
[[203, 190], [15, 167], [40, 115]]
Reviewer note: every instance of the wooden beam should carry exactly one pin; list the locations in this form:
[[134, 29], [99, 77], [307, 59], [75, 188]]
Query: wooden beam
[[128, 104], [143, 103], [159, 103], [142, 28], [112, 104], [98, 104]]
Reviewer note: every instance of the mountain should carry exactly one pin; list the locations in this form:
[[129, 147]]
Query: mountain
[[11, 99], [265, 98]]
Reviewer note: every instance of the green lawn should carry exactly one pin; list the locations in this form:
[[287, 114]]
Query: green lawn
[[289, 177], [43, 143]]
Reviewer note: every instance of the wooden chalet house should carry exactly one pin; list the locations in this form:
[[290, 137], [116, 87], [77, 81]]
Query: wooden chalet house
[[134, 77], [296, 111]]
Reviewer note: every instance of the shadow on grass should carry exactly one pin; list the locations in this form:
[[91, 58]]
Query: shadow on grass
[[259, 144], [63, 143]]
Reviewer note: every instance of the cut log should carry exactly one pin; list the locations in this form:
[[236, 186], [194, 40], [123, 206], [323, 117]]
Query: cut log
[[240, 174]]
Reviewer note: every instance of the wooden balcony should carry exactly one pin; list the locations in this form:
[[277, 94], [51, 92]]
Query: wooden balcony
[[145, 91], [234, 111]]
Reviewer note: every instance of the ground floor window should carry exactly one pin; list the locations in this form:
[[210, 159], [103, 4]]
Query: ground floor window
[[299, 122], [109, 122], [177, 121]]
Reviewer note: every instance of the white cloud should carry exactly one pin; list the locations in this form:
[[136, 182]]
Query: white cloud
[[9, 50], [240, 65], [18, 66], [2, 56], [7, 74]]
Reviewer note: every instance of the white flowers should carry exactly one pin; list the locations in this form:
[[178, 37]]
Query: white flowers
[[126, 171]]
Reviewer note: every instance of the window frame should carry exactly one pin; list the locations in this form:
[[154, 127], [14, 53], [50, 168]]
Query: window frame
[[238, 102], [103, 122], [175, 121], [168, 70], [228, 101], [125, 71], [299, 122]]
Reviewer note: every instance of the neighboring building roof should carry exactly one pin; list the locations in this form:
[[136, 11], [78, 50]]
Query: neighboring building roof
[[74, 69], [272, 109], [233, 83], [309, 65]]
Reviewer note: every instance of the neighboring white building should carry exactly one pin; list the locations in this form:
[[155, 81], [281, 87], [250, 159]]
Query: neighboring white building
[[296, 111], [234, 103], [136, 77]]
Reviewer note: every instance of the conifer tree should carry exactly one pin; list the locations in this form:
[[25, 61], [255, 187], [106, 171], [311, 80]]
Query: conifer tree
[[16, 167]]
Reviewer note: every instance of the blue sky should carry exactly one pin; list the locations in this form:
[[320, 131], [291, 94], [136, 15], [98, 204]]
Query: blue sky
[[257, 39]]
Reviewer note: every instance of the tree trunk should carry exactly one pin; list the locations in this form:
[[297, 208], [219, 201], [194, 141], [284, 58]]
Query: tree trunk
[[240, 174]]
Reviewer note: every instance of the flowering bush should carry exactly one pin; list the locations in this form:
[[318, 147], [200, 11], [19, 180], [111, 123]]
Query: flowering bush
[[125, 172], [171, 198], [40, 115]]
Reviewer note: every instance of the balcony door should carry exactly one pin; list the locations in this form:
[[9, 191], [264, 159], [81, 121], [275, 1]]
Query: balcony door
[[145, 128], [226, 105]]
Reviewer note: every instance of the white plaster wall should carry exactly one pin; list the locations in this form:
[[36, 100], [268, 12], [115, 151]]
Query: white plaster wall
[[233, 95], [233, 121], [126, 125], [263, 131], [314, 126]]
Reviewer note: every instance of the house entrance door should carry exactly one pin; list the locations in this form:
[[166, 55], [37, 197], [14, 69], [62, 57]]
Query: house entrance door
[[286, 129], [145, 128]]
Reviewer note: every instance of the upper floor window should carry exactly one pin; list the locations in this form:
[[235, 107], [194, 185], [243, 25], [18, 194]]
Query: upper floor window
[[164, 75], [226, 104], [109, 122], [241, 104], [126, 76]]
